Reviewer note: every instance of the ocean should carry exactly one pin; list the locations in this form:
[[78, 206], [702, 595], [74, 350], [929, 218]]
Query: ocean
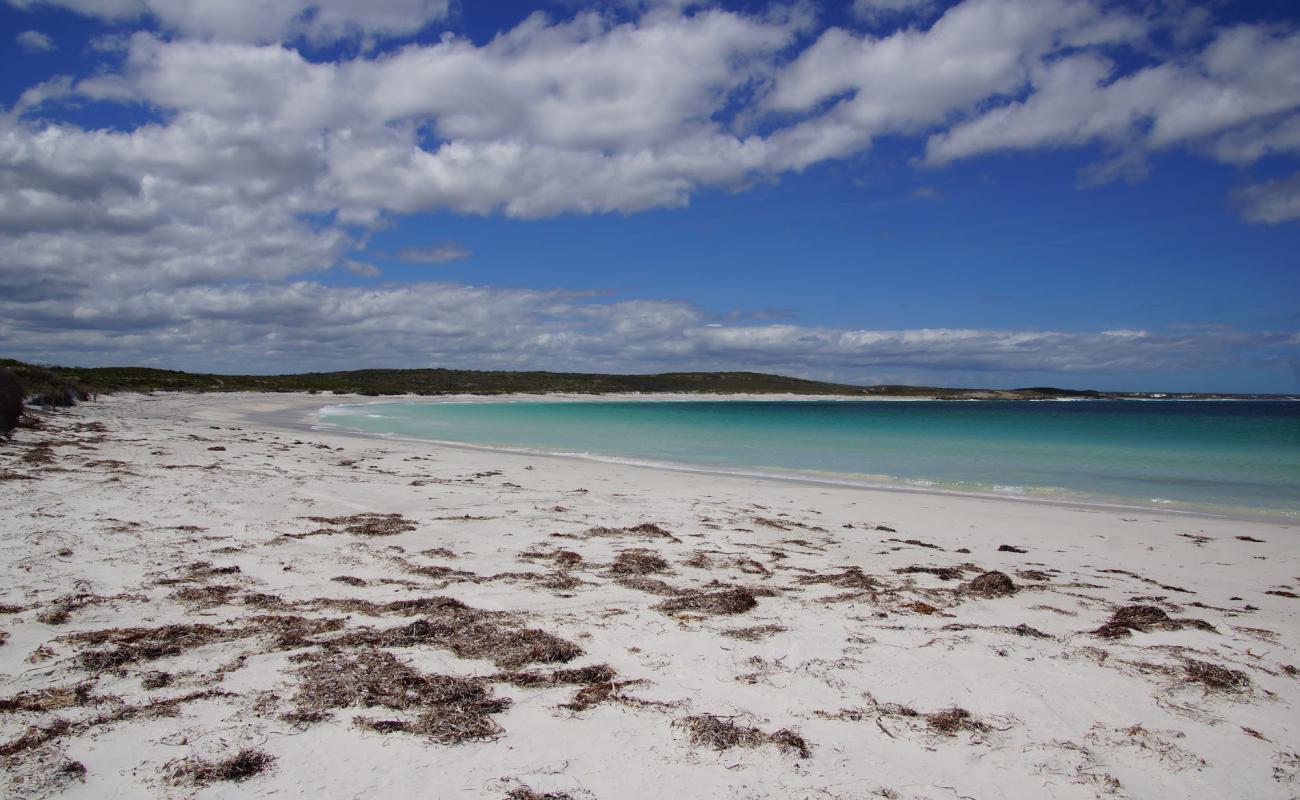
[[1229, 457]]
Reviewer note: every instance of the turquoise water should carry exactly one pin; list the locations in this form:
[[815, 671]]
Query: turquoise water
[[1229, 456]]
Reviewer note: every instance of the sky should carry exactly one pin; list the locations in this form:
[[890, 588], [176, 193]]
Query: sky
[[996, 193]]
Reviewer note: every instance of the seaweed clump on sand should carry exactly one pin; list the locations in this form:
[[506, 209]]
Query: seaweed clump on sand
[[638, 562], [1123, 621], [527, 793], [1215, 678], [729, 601], [990, 585], [243, 765], [848, 577], [721, 733], [366, 524], [952, 720], [133, 645], [470, 633], [450, 709]]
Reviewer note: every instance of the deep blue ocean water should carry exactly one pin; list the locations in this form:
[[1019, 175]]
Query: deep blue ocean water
[[1224, 456]]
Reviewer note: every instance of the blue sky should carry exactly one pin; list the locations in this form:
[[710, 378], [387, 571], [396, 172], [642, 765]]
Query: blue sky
[[985, 192]]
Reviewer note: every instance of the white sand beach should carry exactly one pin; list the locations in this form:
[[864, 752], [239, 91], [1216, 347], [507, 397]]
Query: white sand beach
[[189, 578]]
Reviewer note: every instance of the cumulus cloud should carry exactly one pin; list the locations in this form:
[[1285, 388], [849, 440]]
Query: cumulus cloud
[[912, 79], [437, 254], [34, 42], [1237, 100], [306, 325], [1271, 202], [873, 11], [261, 168], [263, 20]]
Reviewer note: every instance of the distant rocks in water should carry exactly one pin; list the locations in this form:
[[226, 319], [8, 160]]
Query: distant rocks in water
[[990, 584]]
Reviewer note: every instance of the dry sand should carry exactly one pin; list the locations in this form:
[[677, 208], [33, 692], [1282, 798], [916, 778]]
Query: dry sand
[[200, 599]]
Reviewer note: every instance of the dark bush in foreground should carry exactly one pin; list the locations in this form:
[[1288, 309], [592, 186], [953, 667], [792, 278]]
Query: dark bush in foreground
[[11, 401]]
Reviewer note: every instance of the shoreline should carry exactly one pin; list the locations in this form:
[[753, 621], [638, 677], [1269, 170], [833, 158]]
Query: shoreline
[[297, 418], [201, 572]]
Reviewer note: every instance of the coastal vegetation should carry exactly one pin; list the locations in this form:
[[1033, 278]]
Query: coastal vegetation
[[60, 386]]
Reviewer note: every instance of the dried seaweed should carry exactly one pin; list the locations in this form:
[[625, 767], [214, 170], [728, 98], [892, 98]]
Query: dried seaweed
[[527, 793], [638, 562], [239, 767], [950, 721], [848, 578], [722, 733], [1143, 618], [646, 530], [729, 601], [754, 633], [942, 573], [1215, 678], [597, 673], [989, 585], [366, 524], [470, 635], [648, 585], [451, 709]]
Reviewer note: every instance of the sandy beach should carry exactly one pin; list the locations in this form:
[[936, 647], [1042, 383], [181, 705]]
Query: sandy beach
[[204, 597]]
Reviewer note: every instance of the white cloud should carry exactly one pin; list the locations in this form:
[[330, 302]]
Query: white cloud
[[913, 79], [264, 20], [1272, 201], [437, 254], [199, 227], [305, 325], [873, 11], [1237, 100], [34, 42]]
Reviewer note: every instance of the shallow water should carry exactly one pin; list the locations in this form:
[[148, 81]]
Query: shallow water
[[1228, 456]]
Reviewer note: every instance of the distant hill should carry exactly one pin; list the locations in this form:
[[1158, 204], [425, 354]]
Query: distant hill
[[64, 385]]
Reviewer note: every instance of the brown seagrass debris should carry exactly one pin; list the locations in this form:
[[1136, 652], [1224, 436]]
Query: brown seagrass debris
[[1019, 630], [451, 709], [596, 673], [1215, 678], [1143, 618], [847, 577], [990, 585], [646, 530], [39, 735], [722, 733], [648, 585], [942, 573], [638, 562], [241, 766], [60, 611], [754, 633], [366, 524], [133, 645], [470, 636], [595, 694], [52, 699], [200, 597], [950, 721], [728, 601], [418, 606], [527, 793]]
